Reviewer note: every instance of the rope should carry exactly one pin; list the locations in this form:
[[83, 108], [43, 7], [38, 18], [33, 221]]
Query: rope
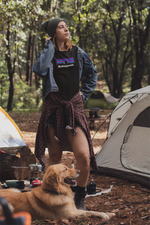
[[100, 127]]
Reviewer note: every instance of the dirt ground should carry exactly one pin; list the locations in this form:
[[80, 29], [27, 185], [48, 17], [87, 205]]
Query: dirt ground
[[130, 201]]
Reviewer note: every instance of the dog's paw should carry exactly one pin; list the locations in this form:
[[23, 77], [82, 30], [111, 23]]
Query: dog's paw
[[104, 216], [110, 215]]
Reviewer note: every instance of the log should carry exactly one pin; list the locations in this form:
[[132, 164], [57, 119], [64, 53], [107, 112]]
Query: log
[[9, 163]]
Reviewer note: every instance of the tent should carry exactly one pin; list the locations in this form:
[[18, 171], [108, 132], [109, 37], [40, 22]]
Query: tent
[[10, 135], [101, 100], [126, 151]]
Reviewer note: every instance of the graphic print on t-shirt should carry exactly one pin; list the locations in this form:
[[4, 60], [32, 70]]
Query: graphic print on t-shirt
[[65, 62], [66, 73]]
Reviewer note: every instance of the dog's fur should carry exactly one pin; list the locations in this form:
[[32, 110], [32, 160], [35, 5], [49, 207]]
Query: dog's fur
[[53, 199]]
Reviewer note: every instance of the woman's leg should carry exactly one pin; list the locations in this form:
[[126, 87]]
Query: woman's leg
[[54, 149], [80, 147]]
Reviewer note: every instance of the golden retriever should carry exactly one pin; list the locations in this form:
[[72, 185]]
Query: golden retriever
[[53, 199]]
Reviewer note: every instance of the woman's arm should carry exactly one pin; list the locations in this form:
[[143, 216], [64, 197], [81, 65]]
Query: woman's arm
[[89, 76], [44, 59]]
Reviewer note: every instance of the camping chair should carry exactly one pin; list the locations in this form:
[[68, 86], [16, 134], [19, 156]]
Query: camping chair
[[21, 218]]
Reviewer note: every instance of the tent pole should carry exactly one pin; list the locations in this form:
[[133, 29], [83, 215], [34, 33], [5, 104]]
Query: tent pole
[[129, 100]]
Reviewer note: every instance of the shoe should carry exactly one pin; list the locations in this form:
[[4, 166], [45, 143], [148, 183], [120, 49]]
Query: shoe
[[79, 201]]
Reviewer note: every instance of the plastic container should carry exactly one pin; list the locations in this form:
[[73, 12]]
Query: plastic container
[[36, 183], [11, 183], [91, 188]]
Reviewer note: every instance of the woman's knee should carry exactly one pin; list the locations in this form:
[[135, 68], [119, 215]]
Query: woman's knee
[[83, 159]]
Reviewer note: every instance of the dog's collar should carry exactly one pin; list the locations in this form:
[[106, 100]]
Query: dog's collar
[[52, 192]]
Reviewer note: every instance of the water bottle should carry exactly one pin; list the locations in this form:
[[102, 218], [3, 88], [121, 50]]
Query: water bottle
[[91, 188]]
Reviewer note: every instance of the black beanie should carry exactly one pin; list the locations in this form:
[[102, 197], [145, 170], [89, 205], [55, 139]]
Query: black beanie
[[51, 25]]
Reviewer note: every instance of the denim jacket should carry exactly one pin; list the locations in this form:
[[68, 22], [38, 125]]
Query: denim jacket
[[44, 68]]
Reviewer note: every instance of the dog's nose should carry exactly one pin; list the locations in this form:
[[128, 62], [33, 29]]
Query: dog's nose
[[78, 171]]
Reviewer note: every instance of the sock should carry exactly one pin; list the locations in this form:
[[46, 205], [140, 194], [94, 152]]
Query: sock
[[81, 191]]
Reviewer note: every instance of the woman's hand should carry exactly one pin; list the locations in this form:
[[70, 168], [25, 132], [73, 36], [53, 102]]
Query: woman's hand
[[81, 94]]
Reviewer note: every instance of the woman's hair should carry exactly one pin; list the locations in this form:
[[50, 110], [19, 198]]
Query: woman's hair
[[68, 44]]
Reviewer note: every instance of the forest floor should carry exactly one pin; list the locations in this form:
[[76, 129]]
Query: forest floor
[[130, 201]]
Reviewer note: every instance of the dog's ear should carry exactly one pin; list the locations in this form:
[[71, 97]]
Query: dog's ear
[[53, 178]]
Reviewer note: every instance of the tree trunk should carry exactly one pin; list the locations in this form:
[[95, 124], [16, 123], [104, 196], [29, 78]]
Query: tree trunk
[[138, 72], [32, 53], [37, 78], [28, 65], [78, 26], [140, 41], [32, 59], [113, 56], [19, 69], [107, 78], [11, 93], [10, 70]]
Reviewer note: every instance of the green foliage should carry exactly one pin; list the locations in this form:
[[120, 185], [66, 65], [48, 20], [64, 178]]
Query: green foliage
[[112, 32], [25, 96], [19, 18], [81, 18], [4, 84]]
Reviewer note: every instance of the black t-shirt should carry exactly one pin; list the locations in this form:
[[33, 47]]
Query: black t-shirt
[[66, 73]]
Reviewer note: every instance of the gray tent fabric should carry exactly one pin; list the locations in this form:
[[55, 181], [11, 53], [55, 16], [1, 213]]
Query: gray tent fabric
[[101, 95], [126, 152], [134, 155], [110, 98]]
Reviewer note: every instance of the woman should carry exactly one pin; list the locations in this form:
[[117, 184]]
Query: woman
[[63, 125]]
